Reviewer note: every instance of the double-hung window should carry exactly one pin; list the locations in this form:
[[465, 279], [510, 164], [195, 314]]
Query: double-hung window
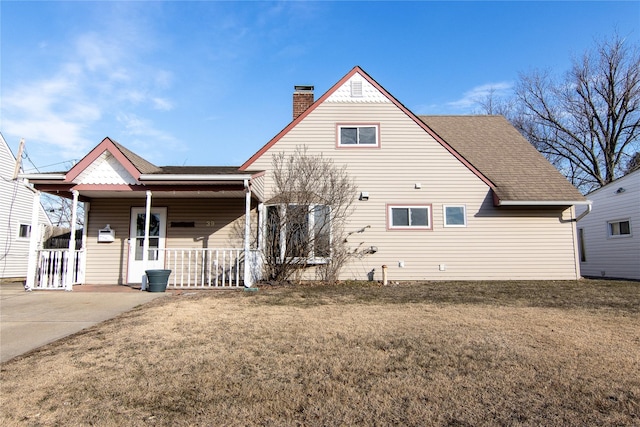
[[299, 232], [619, 228], [360, 135], [401, 217]]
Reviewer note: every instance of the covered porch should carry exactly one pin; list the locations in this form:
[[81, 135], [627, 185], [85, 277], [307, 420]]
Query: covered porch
[[194, 221]]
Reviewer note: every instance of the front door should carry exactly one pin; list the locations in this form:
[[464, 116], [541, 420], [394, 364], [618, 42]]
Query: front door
[[157, 231]]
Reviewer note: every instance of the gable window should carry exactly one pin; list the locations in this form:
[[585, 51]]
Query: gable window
[[24, 231], [455, 216], [619, 228], [358, 135], [409, 217], [299, 232]]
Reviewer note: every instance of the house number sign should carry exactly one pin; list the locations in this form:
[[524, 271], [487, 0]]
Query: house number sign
[[210, 223]]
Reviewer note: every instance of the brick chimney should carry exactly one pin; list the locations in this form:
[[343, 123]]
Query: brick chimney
[[302, 99]]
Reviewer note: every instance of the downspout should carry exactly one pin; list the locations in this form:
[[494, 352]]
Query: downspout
[[32, 263], [71, 258], [145, 244], [585, 213], [576, 243], [247, 231]]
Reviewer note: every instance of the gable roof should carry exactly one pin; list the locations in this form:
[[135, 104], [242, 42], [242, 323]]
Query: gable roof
[[133, 163], [489, 146], [518, 171], [383, 91]]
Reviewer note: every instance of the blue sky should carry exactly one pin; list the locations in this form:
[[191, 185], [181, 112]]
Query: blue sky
[[210, 82]]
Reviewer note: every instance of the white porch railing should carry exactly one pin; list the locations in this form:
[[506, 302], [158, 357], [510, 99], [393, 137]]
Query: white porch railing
[[53, 268], [204, 268], [190, 268]]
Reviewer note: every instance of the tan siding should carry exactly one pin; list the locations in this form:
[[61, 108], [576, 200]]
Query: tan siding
[[214, 228], [257, 187], [502, 243]]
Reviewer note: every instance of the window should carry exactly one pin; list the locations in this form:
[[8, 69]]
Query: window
[[358, 135], [409, 217], [619, 228], [24, 231], [455, 216], [300, 232]]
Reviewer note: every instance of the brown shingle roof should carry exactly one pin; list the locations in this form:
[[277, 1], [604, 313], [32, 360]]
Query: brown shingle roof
[[146, 167], [201, 170], [494, 147], [138, 162]]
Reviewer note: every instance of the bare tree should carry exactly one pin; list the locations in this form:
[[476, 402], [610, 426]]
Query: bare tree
[[494, 104], [588, 123], [59, 209], [306, 218], [633, 164]]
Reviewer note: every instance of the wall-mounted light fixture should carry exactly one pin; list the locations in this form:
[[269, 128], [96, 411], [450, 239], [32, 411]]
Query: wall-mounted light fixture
[[364, 196], [418, 186], [620, 190]]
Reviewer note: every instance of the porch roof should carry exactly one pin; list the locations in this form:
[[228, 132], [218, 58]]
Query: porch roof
[[110, 170]]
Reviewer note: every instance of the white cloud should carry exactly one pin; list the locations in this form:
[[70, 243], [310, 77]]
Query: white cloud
[[97, 79], [471, 98], [162, 104]]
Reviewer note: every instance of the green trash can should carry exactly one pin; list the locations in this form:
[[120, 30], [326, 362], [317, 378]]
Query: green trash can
[[157, 280]]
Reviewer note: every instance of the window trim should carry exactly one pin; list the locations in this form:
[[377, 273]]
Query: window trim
[[610, 235], [19, 234], [339, 144], [311, 258], [391, 206], [464, 216]]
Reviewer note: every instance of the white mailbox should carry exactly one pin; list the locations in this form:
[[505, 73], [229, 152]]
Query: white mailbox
[[106, 235]]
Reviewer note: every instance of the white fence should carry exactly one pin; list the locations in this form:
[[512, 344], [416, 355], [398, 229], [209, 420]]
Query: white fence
[[53, 268]]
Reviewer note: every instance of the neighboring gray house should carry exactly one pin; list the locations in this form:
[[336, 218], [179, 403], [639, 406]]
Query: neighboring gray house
[[15, 217], [609, 236]]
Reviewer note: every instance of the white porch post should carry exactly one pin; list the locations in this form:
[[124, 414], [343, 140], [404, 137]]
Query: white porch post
[[145, 245], [247, 232], [32, 263], [71, 259], [83, 257]]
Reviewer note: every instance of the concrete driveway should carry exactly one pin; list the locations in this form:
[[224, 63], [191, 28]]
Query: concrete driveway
[[29, 320]]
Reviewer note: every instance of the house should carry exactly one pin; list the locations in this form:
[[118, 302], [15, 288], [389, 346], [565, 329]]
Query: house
[[439, 198], [609, 237], [16, 215]]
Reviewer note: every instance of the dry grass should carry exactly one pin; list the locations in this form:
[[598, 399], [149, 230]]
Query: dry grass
[[507, 353]]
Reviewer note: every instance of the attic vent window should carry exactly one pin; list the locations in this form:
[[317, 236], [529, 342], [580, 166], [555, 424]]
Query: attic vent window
[[356, 89]]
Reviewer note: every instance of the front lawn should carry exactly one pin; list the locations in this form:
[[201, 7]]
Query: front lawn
[[465, 354]]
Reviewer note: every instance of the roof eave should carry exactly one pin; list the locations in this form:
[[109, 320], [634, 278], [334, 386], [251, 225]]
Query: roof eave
[[543, 202], [191, 178], [42, 176]]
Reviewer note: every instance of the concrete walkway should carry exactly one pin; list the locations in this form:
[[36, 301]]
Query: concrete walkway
[[29, 320]]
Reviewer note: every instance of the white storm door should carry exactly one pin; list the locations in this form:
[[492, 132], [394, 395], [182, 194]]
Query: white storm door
[[157, 231]]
